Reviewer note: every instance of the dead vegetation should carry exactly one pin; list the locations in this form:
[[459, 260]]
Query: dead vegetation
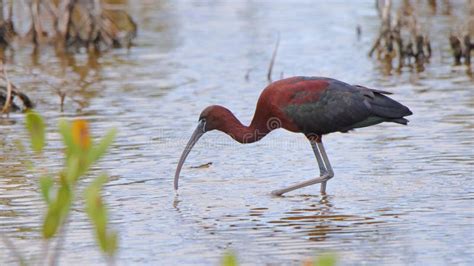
[[401, 36], [461, 47], [403, 39], [460, 39], [69, 24]]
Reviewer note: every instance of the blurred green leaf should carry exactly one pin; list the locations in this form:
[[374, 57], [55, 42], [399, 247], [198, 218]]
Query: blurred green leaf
[[64, 199], [93, 190], [46, 183], [325, 260], [57, 210], [80, 154], [97, 213], [99, 150], [36, 129], [73, 170], [51, 222], [229, 259], [66, 132]]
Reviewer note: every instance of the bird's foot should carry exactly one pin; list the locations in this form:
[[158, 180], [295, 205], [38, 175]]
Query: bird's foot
[[322, 179]]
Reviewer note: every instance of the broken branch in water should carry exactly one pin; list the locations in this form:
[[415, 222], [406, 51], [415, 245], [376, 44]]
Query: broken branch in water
[[206, 165]]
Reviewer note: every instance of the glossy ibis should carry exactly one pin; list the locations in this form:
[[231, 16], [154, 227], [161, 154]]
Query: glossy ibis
[[314, 106]]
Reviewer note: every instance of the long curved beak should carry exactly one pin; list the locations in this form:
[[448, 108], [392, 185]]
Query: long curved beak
[[200, 130]]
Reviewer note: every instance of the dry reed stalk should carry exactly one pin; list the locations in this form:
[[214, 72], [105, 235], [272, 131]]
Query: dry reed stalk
[[272, 61]]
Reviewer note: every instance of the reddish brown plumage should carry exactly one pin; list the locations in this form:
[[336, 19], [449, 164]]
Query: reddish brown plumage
[[273, 99], [295, 90]]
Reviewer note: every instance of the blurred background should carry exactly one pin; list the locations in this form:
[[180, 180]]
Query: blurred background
[[400, 195]]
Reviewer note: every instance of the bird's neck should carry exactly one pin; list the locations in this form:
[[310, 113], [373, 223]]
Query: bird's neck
[[245, 134]]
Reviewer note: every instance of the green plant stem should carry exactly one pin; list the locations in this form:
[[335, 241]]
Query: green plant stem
[[110, 260], [45, 252], [59, 242]]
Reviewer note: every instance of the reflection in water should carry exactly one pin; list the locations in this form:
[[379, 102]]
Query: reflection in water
[[311, 219], [317, 221]]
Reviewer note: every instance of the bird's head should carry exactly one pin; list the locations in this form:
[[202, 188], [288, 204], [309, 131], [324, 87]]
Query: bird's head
[[212, 117]]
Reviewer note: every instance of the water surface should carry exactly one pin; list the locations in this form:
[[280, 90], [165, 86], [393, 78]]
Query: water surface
[[401, 195]]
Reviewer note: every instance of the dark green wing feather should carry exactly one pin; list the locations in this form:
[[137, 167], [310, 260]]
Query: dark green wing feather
[[342, 107]]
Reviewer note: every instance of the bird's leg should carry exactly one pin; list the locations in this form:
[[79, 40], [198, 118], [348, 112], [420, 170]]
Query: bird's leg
[[329, 172], [324, 167], [317, 153]]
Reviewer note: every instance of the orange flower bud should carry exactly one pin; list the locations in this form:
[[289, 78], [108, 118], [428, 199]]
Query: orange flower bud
[[80, 134]]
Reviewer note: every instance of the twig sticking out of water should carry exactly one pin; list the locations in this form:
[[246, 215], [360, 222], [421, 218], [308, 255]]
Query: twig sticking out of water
[[359, 32], [62, 96], [247, 75], [272, 61]]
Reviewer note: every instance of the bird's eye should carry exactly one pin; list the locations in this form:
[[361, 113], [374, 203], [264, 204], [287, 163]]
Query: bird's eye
[[203, 123]]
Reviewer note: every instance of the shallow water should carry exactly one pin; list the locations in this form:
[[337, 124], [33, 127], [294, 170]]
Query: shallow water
[[401, 195]]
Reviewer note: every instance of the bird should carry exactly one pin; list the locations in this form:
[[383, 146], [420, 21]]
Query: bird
[[313, 106]]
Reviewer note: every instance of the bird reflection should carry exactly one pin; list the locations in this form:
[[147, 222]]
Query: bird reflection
[[319, 221]]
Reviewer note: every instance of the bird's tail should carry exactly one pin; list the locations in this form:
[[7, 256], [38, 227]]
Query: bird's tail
[[388, 108], [402, 121]]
